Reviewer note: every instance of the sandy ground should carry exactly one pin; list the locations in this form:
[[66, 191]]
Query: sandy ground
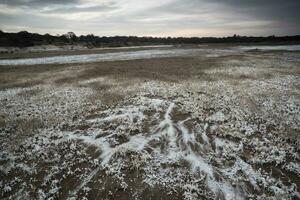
[[196, 127]]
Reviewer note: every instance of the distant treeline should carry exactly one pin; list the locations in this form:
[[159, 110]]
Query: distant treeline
[[26, 39]]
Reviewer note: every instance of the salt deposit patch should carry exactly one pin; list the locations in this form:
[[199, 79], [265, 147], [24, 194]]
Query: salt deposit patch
[[191, 139], [130, 55]]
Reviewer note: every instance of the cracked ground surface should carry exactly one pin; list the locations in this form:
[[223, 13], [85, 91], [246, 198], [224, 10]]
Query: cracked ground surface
[[197, 127]]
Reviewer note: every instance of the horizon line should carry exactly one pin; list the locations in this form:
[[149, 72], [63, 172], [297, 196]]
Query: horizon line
[[228, 36]]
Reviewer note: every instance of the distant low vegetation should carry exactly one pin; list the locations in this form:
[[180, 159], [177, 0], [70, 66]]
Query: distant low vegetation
[[26, 39]]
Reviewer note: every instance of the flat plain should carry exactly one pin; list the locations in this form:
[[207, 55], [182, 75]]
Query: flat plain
[[207, 122]]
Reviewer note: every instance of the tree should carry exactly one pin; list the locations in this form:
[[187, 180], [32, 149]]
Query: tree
[[71, 36]]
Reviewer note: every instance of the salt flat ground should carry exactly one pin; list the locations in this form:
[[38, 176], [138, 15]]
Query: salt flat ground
[[214, 124]]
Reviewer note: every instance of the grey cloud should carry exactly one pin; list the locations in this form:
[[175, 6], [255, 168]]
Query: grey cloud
[[27, 20], [269, 9], [75, 9], [282, 14], [265, 9], [255, 17], [36, 2]]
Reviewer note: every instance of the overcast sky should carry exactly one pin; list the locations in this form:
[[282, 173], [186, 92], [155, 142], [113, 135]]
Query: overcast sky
[[152, 17]]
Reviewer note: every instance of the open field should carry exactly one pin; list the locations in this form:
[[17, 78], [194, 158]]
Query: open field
[[204, 124]]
